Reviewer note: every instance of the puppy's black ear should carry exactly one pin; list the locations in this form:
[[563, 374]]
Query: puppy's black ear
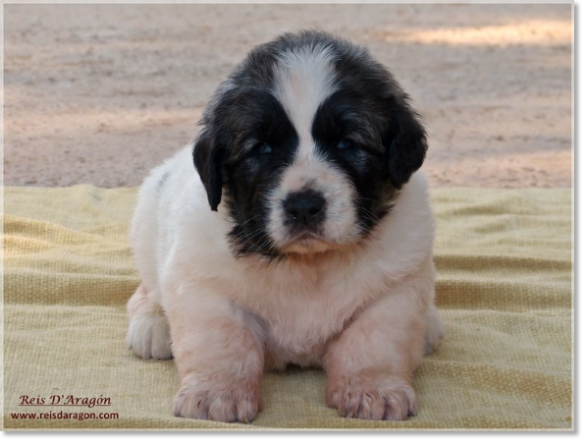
[[208, 159], [405, 141]]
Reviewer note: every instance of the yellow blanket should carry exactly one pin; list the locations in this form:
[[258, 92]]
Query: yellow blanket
[[504, 260]]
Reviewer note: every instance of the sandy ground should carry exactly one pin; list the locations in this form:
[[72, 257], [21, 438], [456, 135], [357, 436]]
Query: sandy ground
[[101, 93]]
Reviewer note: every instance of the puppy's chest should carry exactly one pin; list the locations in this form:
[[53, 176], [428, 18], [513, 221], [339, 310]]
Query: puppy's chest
[[300, 313]]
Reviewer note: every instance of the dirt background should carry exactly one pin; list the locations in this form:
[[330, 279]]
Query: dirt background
[[101, 93]]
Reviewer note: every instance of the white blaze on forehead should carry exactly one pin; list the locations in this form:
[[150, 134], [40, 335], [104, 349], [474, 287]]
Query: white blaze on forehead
[[304, 79]]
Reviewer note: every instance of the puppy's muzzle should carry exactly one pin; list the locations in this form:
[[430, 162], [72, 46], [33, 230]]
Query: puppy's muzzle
[[305, 209]]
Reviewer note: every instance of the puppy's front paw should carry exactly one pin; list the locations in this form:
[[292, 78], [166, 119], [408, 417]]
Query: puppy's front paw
[[149, 336], [218, 399], [372, 397]]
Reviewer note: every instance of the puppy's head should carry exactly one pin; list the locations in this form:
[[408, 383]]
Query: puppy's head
[[307, 142]]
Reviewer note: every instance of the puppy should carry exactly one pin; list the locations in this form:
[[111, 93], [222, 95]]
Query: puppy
[[302, 236]]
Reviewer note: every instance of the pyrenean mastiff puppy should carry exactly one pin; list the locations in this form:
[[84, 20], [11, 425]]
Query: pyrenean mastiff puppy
[[294, 230]]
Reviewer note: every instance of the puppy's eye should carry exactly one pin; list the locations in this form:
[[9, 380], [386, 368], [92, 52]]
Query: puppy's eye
[[264, 149], [345, 144]]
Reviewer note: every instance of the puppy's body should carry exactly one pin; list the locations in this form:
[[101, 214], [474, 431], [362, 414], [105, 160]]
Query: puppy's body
[[348, 292]]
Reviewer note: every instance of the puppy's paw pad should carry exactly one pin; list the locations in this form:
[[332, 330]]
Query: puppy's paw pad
[[392, 401], [200, 400], [149, 337]]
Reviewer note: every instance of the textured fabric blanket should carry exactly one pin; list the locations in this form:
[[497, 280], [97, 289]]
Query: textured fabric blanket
[[504, 291]]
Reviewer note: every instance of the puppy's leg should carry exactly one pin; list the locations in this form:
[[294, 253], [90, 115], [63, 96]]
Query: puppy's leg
[[435, 330], [371, 364], [219, 355], [148, 334]]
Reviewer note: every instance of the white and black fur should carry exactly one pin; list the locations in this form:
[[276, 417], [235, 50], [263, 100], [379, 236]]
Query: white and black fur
[[350, 101], [317, 250]]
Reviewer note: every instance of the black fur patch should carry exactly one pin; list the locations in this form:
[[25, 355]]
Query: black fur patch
[[251, 119], [250, 175]]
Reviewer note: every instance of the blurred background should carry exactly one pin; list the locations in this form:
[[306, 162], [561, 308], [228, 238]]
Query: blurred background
[[100, 94]]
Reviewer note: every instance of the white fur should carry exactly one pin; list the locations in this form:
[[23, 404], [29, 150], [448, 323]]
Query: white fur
[[304, 79], [229, 316]]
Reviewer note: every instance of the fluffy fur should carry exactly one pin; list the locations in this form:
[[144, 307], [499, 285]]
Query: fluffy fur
[[305, 237]]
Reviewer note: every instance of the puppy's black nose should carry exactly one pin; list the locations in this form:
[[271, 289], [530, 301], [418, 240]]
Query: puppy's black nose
[[305, 207]]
